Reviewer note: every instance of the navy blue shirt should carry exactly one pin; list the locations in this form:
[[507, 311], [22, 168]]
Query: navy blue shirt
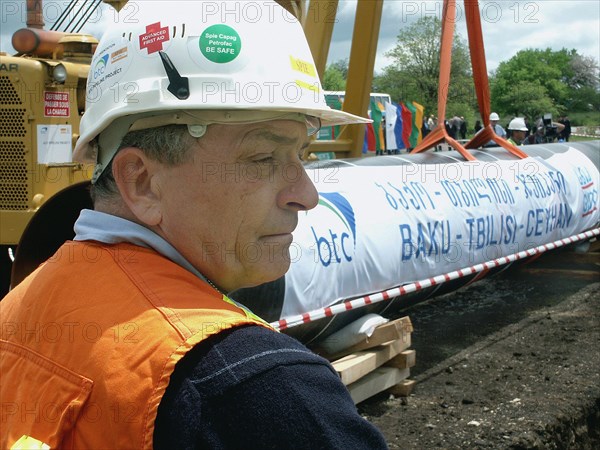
[[252, 388]]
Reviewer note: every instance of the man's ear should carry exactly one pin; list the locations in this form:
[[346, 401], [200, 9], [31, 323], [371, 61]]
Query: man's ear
[[133, 172]]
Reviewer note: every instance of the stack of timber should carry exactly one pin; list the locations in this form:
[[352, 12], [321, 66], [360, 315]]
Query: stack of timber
[[381, 362]]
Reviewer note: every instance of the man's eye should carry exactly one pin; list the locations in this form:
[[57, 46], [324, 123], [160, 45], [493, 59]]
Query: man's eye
[[264, 159]]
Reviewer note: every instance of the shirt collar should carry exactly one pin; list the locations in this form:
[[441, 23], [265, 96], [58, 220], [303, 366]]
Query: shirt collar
[[108, 229]]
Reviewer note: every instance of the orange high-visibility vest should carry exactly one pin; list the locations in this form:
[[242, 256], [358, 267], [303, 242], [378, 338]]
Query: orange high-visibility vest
[[90, 339]]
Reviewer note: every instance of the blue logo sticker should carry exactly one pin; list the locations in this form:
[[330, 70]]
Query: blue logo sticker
[[335, 246], [100, 66]]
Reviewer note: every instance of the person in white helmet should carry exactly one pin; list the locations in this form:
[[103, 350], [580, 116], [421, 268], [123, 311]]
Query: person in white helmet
[[495, 123], [196, 117], [517, 129]]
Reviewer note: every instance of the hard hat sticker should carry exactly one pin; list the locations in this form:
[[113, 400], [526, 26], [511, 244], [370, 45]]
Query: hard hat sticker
[[108, 66], [309, 86], [154, 38], [304, 67], [220, 43]]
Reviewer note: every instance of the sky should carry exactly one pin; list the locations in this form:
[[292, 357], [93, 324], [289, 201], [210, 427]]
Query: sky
[[508, 26]]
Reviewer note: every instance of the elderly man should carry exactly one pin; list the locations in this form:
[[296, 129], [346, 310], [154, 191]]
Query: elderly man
[[197, 119]]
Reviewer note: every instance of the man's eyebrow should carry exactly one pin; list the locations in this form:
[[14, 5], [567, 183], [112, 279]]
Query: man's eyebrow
[[277, 138]]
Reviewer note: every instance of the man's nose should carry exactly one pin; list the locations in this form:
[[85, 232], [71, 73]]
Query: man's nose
[[300, 194]]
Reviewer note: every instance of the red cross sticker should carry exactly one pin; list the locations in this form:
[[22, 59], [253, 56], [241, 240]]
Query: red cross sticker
[[154, 38]]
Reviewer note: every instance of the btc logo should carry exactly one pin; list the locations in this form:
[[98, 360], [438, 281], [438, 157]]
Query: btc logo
[[335, 237], [100, 67]]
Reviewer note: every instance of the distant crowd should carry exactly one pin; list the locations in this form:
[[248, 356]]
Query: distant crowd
[[519, 130], [544, 130]]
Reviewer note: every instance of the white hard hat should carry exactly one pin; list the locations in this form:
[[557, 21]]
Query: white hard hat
[[517, 124], [494, 116], [198, 63]]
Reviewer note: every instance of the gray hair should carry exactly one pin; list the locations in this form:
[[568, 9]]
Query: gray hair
[[169, 145]]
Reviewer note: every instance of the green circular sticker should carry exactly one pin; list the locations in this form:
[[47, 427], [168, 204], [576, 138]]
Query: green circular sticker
[[220, 43]]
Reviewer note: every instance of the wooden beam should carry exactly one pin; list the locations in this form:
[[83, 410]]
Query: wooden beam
[[377, 381], [357, 365], [403, 389], [398, 329], [403, 360]]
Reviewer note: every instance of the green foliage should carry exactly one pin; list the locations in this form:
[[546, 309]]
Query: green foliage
[[589, 119], [342, 66], [463, 109], [334, 79], [586, 98], [526, 98], [414, 73], [398, 84], [534, 82]]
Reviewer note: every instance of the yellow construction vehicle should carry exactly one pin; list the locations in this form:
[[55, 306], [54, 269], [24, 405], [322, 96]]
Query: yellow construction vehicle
[[42, 96]]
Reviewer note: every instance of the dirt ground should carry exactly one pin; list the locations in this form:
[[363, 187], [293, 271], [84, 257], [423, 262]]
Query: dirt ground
[[511, 362]]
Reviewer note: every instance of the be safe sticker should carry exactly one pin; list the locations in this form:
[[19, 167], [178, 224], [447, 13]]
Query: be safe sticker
[[220, 43]]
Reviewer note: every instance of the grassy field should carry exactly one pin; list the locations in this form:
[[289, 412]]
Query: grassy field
[[589, 119], [582, 138]]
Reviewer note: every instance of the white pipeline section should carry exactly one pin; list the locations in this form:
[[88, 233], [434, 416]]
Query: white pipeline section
[[379, 227]]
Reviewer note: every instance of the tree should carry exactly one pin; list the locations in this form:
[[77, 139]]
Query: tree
[[334, 79], [528, 99], [398, 84], [585, 99], [414, 74], [558, 78], [342, 66], [584, 72], [584, 84]]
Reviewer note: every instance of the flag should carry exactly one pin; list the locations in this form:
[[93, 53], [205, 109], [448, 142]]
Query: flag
[[398, 127], [370, 137], [414, 132], [406, 125], [376, 115], [334, 102], [393, 135], [418, 118]]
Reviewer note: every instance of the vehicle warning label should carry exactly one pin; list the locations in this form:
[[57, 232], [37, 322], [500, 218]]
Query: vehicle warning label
[[56, 104]]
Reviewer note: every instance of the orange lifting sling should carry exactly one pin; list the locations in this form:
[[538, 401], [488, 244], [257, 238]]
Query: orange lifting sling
[[439, 134]]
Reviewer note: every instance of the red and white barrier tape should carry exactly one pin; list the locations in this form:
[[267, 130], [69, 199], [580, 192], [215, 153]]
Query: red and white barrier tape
[[311, 316]]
